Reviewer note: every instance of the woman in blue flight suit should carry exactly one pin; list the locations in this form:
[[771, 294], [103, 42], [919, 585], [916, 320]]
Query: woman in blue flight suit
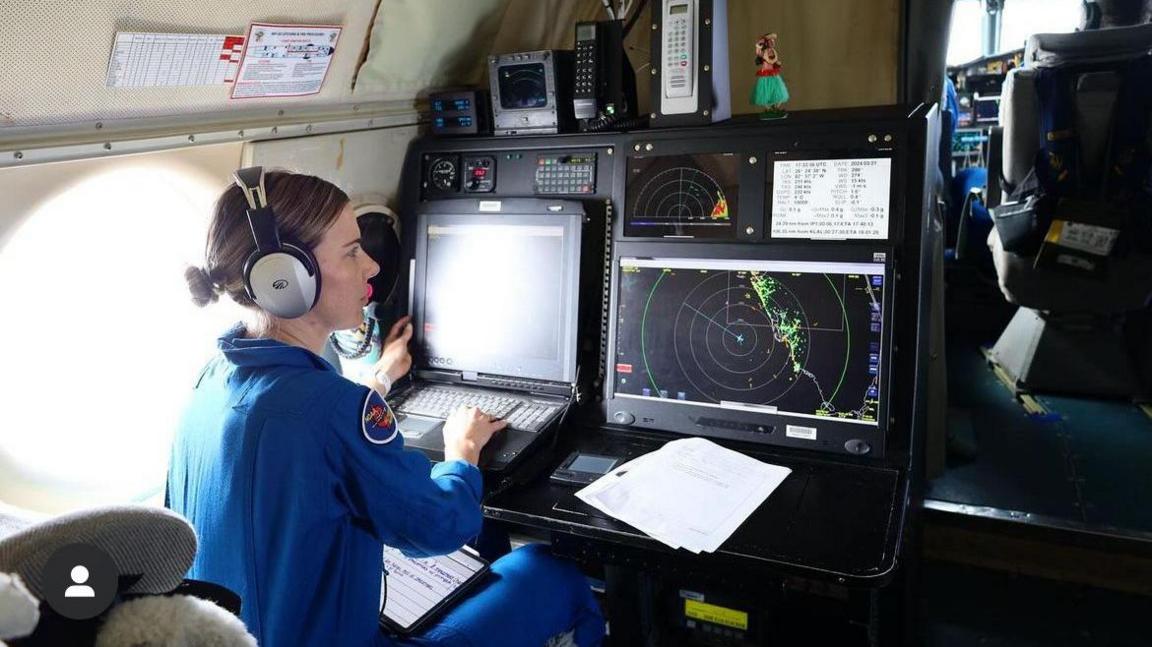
[[294, 477]]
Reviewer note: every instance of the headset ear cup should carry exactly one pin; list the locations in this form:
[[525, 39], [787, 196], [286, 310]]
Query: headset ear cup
[[248, 264], [310, 265], [283, 283]]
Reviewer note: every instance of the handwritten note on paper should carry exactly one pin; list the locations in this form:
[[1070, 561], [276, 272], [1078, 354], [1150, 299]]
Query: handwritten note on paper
[[832, 198], [416, 585]]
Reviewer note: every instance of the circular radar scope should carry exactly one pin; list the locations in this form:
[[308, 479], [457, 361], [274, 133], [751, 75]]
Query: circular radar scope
[[747, 339], [684, 196]]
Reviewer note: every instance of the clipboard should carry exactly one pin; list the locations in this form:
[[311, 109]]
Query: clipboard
[[414, 591]]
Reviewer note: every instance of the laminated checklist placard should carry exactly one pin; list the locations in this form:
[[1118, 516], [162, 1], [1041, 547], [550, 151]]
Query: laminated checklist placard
[[141, 60], [414, 590], [285, 60]]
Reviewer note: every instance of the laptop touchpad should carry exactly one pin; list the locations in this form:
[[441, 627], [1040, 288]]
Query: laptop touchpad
[[416, 427]]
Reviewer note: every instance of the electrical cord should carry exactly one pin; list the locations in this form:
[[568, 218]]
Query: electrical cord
[[609, 123], [361, 348], [635, 17]]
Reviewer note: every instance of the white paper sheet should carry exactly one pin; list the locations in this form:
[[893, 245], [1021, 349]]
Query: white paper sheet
[[285, 60], [691, 493], [141, 60]]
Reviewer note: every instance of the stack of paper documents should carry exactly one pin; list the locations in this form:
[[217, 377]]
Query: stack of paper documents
[[690, 493]]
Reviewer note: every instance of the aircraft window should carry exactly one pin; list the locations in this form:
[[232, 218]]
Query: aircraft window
[[965, 40], [1018, 20], [1022, 18], [101, 341]]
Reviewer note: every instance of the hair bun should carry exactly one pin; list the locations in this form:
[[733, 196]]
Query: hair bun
[[200, 284]]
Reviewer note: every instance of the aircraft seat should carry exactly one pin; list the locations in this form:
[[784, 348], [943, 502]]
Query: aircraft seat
[[150, 550], [1068, 334]]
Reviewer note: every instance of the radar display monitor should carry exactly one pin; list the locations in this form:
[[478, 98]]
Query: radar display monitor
[[523, 86], [796, 338], [496, 293], [682, 196]]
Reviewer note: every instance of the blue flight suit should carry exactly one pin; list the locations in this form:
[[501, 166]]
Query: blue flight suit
[[294, 477]]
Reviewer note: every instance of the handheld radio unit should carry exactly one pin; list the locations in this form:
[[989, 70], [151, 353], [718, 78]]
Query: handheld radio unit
[[605, 91]]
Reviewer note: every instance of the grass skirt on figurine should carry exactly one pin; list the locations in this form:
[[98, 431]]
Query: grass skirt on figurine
[[769, 90]]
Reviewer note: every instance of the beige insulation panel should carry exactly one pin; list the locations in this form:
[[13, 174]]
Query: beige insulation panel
[[366, 164], [59, 75], [836, 53]]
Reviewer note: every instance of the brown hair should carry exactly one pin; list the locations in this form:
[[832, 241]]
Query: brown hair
[[305, 207]]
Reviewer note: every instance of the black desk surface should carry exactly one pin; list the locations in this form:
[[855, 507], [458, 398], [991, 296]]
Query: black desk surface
[[827, 519]]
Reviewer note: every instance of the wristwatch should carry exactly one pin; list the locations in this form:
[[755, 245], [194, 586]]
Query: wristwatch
[[381, 376]]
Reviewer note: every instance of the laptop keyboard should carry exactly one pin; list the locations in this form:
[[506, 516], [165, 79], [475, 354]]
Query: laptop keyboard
[[440, 402]]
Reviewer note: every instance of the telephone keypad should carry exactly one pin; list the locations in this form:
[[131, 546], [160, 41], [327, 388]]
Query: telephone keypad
[[679, 47], [585, 68]]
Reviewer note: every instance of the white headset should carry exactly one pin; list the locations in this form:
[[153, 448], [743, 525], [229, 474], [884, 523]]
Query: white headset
[[280, 276]]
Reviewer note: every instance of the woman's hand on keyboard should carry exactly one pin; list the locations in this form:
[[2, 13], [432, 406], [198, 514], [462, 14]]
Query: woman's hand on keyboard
[[466, 432]]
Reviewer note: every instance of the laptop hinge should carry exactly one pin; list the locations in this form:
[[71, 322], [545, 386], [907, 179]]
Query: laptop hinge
[[527, 385], [524, 385], [438, 376]]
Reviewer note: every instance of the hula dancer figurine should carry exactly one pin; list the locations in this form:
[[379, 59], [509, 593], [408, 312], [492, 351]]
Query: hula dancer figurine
[[769, 91]]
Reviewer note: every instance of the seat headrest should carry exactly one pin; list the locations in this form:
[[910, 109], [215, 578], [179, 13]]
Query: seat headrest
[[154, 543], [1047, 50]]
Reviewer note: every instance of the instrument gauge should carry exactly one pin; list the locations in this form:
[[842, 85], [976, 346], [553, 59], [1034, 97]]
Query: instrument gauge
[[444, 174]]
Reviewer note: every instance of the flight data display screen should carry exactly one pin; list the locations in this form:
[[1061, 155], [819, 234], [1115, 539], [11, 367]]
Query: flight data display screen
[[838, 199], [497, 296], [690, 196], [801, 338]]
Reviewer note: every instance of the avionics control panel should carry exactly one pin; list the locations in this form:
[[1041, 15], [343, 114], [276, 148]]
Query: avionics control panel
[[554, 172], [565, 174], [746, 276]]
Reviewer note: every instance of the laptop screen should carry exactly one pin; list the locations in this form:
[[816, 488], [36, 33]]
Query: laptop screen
[[497, 293]]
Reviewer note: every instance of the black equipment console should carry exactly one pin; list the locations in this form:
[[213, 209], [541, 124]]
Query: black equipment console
[[746, 285], [764, 284]]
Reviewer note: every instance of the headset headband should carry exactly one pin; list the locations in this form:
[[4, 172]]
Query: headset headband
[[260, 217], [251, 182]]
